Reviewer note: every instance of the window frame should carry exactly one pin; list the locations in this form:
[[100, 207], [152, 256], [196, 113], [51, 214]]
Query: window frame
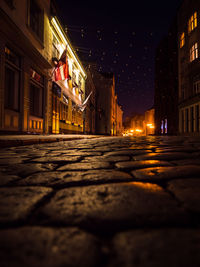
[[9, 100], [36, 112], [39, 35], [194, 52], [182, 40], [192, 22]]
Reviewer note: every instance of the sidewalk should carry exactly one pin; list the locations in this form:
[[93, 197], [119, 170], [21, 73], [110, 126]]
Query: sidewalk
[[21, 140]]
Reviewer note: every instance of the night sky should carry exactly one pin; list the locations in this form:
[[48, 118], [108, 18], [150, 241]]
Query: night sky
[[121, 37]]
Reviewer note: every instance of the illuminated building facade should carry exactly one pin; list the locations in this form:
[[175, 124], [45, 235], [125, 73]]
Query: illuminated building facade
[[189, 67], [119, 123], [150, 121], [32, 98], [24, 66], [68, 89], [137, 124]]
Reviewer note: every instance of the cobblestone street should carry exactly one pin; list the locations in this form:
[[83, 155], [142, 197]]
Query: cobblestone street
[[106, 201]]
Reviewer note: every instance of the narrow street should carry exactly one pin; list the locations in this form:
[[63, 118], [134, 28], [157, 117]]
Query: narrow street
[[106, 201]]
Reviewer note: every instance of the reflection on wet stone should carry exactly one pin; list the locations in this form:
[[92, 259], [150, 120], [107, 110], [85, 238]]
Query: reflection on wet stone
[[107, 201]]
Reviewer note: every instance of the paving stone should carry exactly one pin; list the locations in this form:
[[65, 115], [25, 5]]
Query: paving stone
[[188, 192], [186, 162], [162, 173], [17, 202], [85, 166], [113, 206], [127, 152], [58, 159], [48, 179], [177, 149], [27, 169], [155, 248], [6, 178], [42, 247], [80, 153], [165, 156], [75, 178], [107, 159], [12, 160], [141, 164]]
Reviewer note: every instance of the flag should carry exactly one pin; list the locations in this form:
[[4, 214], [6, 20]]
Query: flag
[[83, 106], [61, 71]]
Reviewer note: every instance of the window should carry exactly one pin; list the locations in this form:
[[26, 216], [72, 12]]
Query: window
[[192, 23], [197, 117], [79, 82], [12, 80], [162, 127], [55, 50], [182, 40], [182, 121], [10, 3], [36, 94], [73, 75], [196, 87], [182, 92], [192, 119], [165, 126], [186, 120], [63, 112], [194, 52], [36, 21]]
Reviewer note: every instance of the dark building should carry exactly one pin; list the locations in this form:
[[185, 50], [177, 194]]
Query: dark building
[[189, 67], [166, 84], [105, 101], [90, 111]]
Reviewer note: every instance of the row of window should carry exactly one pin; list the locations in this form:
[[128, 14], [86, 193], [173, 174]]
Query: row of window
[[13, 84], [195, 90], [192, 24], [190, 120], [56, 53]]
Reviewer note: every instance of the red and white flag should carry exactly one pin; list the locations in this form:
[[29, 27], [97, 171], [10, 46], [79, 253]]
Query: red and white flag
[[61, 71]]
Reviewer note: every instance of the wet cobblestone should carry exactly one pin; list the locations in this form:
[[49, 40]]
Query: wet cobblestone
[[107, 201]]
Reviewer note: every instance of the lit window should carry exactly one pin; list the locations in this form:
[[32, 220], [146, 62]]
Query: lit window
[[73, 75], [194, 52], [55, 45], [192, 23], [182, 40]]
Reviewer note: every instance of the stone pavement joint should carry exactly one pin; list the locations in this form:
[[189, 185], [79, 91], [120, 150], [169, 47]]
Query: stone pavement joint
[[101, 201]]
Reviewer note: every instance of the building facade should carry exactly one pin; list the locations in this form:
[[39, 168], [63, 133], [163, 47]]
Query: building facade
[[68, 84], [24, 66], [119, 121], [90, 111], [137, 124], [150, 121], [32, 100], [166, 84], [189, 67]]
